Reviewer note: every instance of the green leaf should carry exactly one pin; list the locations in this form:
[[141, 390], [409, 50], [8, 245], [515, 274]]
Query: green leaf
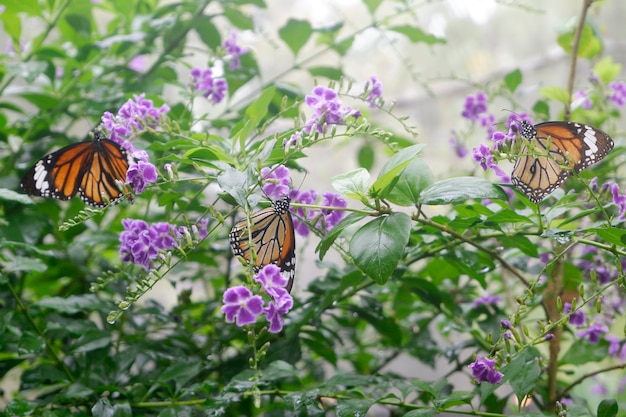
[[525, 371], [378, 245], [296, 34], [21, 263], [583, 352], [372, 5], [255, 114], [422, 412], [12, 25], [608, 408], [353, 407], [353, 184], [237, 18], [607, 70], [513, 79], [390, 173], [555, 93], [366, 157], [614, 235], [416, 177], [589, 46], [331, 73], [417, 35], [10, 195], [72, 304], [181, 372], [460, 189], [327, 241], [92, 340], [207, 31]]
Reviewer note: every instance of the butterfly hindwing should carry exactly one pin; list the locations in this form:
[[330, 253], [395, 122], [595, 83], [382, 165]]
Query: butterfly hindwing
[[272, 236], [561, 149]]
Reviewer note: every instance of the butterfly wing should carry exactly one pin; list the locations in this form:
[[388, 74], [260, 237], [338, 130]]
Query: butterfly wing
[[272, 236], [88, 168], [559, 145]]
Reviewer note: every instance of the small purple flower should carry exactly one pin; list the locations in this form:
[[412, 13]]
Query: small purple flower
[[161, 235], [275, 312], [482, 154], [276, 181], [138, 63], [376, 91], [302, 197], [234, 50], [459, 148], [614, 344], [593, 332], [141, 174], [211, 88], [506, 324], [622, 352], [294, 140], [202, 227], [140, 243], [548, 336], [618, 93], [241, 305], [328, 109], [582, 100], [331, 216], [483, 371], [487, 299], [508, 335], [273, 281], [577, 318], [474, 106], [619, 200]]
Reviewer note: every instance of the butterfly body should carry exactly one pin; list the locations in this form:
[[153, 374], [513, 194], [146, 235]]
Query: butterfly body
[[272, 236], [90, 169], [562, 148]]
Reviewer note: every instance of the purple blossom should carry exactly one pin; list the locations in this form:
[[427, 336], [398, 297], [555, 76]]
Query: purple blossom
[[241, 305], [474, 106], [135, 115], [622, 352], [211, 88], [138, 63], [459, 148], [618, 93], [548, 336], [275, 312], [202, 228], [482, 154], [487, 299], [582, 100], [506, 324], [376, 92], [619, 200], [276, 181], [593, 332], [273, 281], [294, 140], [140, 243], [234, 50], [614, 344], [331, 216], [302, 197], [508, 335], [577, 318], [140, 174], [483, 371], [328, 109]]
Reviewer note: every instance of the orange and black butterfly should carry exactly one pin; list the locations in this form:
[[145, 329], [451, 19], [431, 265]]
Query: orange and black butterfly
[[272, 237], [562, 148], [90, 169]]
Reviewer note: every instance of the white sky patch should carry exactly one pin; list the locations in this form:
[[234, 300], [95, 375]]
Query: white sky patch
[[480, 11]]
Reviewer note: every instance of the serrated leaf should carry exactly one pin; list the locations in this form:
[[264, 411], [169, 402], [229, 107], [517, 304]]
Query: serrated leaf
[[417, 35], [353, 184], [460, 189], [513, 79], [296, 34], [378, 245]]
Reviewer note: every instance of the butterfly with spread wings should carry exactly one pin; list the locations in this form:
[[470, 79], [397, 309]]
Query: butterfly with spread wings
[[562, 148], [272, 237], [91, 169]]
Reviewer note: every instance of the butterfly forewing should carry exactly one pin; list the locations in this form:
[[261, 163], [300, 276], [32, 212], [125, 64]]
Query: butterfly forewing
[[560, 149], [272, 235]]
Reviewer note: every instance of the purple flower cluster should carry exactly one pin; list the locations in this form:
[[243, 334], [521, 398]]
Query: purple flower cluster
[[210, 87], [234, 50], [276, 185], [483, 371], [138, 63], [375, 92], [459, 148], [616, 348], [140, 242], [242, 307], [327, 108], [581, 99], [593, 332], [474, 106], [619, 200], [577, 318], [487, 299], [140, 174], [618, 93]]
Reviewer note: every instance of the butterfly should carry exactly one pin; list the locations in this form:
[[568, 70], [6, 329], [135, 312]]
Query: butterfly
[[90, 168], [564, 148], [273, 239]]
